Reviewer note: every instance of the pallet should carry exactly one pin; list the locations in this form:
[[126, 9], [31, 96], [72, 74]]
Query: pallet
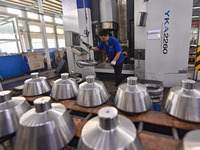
[[150, 140], [153, 117]]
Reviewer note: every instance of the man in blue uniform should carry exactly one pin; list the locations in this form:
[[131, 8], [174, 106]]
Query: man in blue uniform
[[114, 52]]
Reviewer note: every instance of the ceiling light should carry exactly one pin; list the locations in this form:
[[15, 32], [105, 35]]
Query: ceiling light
[[196, 7], [195, 16]]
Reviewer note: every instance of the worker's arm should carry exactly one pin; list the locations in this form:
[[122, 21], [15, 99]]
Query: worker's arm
[[117, 56], [119, 50], [114, 61], [95, 48]]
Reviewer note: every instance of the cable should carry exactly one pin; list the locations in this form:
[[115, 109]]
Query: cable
[[79, 65]]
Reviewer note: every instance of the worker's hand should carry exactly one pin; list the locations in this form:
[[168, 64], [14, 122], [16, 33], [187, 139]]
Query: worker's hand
[[113, 63]]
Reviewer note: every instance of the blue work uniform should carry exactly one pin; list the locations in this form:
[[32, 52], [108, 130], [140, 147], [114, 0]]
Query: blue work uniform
[[112, 48]]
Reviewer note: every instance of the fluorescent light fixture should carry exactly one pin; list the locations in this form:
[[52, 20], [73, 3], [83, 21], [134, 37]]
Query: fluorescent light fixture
[[195, 16], [196, 7]]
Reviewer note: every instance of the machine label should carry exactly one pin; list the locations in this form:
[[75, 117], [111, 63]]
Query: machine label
[[166, 34]]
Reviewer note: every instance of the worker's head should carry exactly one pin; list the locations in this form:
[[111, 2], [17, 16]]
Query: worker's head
[[104, 35]]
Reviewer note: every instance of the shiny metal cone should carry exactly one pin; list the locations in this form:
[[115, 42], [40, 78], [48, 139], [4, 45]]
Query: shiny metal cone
[[92, 93], [184, 102], [64, 88], [45, 127], [36, 85], [133, 97], [191, 141], [11, 109], [109, 131]]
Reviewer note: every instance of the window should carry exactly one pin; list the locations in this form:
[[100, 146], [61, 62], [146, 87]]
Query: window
[[60, 31], [58, 20], [7, 31], [7, 47], [34, 28], [2, 22], [32, 15], [61, 42], [49, 30], [48, 18], [9, 36], [37, 43], [15, 11], [51, 43], [20, 24]]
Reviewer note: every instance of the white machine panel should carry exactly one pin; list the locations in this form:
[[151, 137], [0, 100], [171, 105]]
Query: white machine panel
[[167, 57], [74, 20]]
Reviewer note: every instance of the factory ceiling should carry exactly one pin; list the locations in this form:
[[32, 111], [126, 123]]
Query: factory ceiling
[[51, 7], [196, 10], [54, 7]]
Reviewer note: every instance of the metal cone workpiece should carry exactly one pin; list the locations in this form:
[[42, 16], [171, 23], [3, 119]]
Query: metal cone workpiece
[[133, 97], [64, 88], [36, 85], [48, 126], [92, 93], [109, 131], [184, 102]]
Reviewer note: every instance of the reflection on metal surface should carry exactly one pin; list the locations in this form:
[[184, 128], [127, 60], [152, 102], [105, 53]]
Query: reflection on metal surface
[[45, 127], [87, 62], [64, 88], [132, 97], [36, 85], [19, 88], [11, 109], [1, 88], [184, 102], [92, 93], [191, 141], [109, 131]]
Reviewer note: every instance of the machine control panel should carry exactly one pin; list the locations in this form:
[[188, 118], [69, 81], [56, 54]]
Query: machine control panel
[[79, 51]]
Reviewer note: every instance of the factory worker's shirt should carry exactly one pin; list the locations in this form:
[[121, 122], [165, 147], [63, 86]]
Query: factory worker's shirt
[[112, 48]]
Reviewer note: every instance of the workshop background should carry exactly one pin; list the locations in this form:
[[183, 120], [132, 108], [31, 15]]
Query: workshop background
[[58, 94]]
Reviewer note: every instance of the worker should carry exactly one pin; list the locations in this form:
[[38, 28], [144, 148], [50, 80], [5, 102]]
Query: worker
[[114, 52]]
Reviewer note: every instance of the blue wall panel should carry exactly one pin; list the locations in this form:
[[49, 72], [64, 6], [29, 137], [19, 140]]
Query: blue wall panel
[[80, 4], [11, 66]]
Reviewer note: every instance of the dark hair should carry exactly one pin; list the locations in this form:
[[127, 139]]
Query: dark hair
[[104, 32]]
